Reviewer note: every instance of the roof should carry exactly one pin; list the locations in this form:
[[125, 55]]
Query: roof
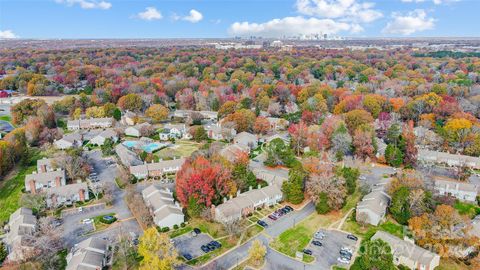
[[443, 157], [157, 166], [72, 137], [45, 177], [67, 190], [402, 248], [127, 157], [245, 137], [107, 133], [455, 185], [377, 201], [44, 161], [22, 222], [166, 212], [161, 202], [88, 254], [231, 151]]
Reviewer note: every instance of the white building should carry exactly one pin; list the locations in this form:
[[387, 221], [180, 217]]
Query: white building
[[166, 212], [69, 141], [92, 253], [246, 139], [463, 191], [67, 195], [103, 136], [136, 130], [157, 169], [21, 225], [373, 207], [448, 159], [90, 123], [407, 253], [40, 181]]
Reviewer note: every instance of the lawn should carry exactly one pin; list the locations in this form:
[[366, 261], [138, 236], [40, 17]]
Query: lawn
[[227, 243], [450, 264], [11, 189], [469, 209], [367, 231], [99, 225], [180, 231], [7, 118], [215, 230], [182, 148], [250, 232]]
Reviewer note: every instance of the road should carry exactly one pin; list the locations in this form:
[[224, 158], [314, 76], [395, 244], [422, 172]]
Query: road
[[277, 260], [73, 227]]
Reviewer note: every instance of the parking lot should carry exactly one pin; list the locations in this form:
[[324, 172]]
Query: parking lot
[[326, 255], [189, 244]]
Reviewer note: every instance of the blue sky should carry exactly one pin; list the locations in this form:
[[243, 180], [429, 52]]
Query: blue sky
[[216, 18]]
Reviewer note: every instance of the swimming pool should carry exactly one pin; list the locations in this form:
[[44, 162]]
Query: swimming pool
[[130, 144], [151, 147]]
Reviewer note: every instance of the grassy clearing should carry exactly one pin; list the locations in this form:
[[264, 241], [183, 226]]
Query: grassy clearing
[[451, 264], [11, 189], [7, 118], [367, 231], [227, 243], [468, 209], [250, 232], [99, 225], [180, 231], [182, 148], [216, 230]]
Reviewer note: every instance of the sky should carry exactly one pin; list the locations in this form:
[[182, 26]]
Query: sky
[[89, 19]]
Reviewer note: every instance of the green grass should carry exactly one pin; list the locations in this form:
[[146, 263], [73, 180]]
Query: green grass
[[469, 209], [183, 149], [99, 225], [308, 258], [180, 231], [367, 231], [293, 240], [250, 232], [7, 118], [11, 189], [338, 268]]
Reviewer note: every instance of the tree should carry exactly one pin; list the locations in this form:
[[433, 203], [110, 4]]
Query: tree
[[341, 141], [293, 188], [375, 254], [206, 181], [34, 201], [257, 252], [400, 207], [74, 163], [194, 209], [322, 206], [108, 147], [261, 125], [243, 177], [157, 113], [363, 143], [410, 150], [351, 177], [393, 155], [3, 252], [117, 114], [131, 102], [299, 134], [279, 154], [243, 119], [356, 118], [227, 108], [157, 251], [95, 112]]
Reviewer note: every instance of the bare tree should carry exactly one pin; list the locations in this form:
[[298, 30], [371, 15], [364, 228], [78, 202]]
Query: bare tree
[[75, 165], [233, 227], [136, 203], [96, 189], [108, 194], [34, 201]]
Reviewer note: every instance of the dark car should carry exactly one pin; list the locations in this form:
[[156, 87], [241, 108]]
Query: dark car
[[307, 251], [289, 208], [205, 248], [211, 246], [262, 223], [187, 256], [272, 217], [352, 237], [197, 230], [317, 243], [216, 244]]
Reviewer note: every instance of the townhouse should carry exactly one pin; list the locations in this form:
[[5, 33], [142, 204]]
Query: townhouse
[[245, 203], [21, 225], [67, 195], [217, 132], [92, 253], [463, 191], [157, 169], [71, 140], [40, 181], [137, 130], [373, 207], [405, 252], [165, 211], [90, 123], [176, 131], [126, 156], [456, 160], [185, 114], [103, 136], [232, 152], [246, 139]]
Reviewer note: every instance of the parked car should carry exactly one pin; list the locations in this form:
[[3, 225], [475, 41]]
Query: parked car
[[87, 221], [343, 260], [262, 223], [316, 243], [205, 248], [216, 244], [272, 217], [352, 237], [347, 249], [187, 256], [211, 246], [319, 235], [307, 251], [345, 254], [80, 209], [289, 208], [197, 230]]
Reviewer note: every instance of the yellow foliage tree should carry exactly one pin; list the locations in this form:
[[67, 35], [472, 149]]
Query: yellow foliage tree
[[257, 252], [157, 251], [157, 112], [95, 111]]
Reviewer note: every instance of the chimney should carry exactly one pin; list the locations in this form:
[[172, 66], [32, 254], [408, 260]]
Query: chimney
[[250, 188], [81, 194], [58, 181], [32, 186], [259, 186], [43, 168]]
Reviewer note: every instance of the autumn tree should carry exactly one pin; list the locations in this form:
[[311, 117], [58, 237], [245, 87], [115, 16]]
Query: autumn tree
[[243, 119], [257, 252], [299, 134], [261, 125], [205, 181], [356, 118], [363, 141], [157, 113], [131, 102], [157, 251]]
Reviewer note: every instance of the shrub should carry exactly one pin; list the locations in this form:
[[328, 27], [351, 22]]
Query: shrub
[[108, 221], [165, 229], [182, 224], [175, 227]]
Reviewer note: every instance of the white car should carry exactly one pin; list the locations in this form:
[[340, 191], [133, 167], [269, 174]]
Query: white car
[[319, 235], [87, 221], [347, 249], [80, 209], [343, 260]]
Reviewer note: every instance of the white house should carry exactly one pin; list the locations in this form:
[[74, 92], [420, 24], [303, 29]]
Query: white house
[[129, 118], [246, 139], [103, 136], [166, 212], [69, 141], [176, 131], [460, 190], [136, 130], [373, 207], [40, 181], [22, 223], [448, 159], [90, 123], [157, 169], [405, 252], [91, 253]]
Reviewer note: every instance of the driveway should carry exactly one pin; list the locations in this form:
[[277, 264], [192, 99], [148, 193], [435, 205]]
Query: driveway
[[188, 244]]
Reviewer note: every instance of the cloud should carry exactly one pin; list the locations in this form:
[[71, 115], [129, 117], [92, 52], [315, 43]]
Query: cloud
[[436, 2], [150, 14], [413, 21], [194, 16], [7, 34], [291, 26], [87, 4], [346, 10]]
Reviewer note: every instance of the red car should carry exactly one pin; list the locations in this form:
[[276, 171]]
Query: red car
[[272, 217]]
